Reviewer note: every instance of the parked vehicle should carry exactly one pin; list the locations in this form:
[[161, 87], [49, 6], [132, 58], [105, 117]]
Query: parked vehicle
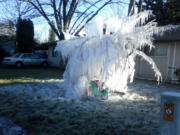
[[25, 59]]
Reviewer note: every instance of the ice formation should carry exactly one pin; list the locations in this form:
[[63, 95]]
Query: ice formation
[[109, 58]]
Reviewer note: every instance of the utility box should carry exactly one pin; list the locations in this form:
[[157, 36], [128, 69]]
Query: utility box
[[170, 113]]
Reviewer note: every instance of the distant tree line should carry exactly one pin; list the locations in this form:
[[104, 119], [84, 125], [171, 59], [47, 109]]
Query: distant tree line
[[166, 12]]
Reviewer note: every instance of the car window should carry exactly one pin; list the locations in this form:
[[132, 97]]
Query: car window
[[27, 56], [35, 56], [16, 55]]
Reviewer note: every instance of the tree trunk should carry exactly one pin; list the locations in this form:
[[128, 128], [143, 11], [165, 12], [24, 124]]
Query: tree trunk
[[140, 6], [131, 7]]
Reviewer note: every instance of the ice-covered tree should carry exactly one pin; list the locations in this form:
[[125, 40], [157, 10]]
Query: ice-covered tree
[[108, 58]]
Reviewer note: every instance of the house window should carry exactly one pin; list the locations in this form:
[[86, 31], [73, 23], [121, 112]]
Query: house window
[[157, 51], [54, 53]]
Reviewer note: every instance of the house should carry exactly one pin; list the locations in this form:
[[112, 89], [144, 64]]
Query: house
[[166, 55], [7, 29], [8, 44], [54, 58]]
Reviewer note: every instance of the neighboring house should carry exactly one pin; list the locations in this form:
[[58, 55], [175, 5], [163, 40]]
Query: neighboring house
[[8, 45], [166, 55], [54, 57], [7, 29]]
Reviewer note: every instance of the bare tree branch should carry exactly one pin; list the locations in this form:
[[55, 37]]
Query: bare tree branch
[[92, 5], [81, 23], [82, 11], [13, 9], [108, 2], [71, 11]]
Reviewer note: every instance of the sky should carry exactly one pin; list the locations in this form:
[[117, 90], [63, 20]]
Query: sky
[[41, 27]]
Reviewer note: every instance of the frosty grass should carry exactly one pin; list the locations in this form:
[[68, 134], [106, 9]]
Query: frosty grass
[[42, 109]]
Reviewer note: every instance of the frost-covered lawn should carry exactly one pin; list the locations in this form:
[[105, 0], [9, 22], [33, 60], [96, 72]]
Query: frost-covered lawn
[[41, 109], [24, 75]]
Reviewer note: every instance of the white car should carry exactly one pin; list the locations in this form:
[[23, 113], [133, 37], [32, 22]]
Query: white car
[[25, 59]]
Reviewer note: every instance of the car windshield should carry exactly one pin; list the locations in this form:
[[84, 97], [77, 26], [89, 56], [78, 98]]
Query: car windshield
[[16, 55]]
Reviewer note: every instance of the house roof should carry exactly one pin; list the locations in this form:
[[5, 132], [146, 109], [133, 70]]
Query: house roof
[[172, 34]]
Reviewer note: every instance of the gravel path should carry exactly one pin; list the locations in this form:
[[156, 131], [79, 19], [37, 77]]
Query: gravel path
[[41, 109]]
